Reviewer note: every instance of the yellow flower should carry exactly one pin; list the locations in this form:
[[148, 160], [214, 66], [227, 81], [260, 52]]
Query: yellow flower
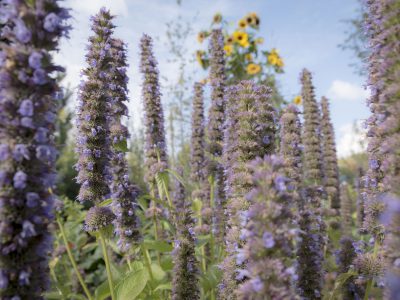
[[201, 36], [253, 20], [297, 100], [242, 24], [204, 81], [229, 40], [280, 63], [253, 69], [248, 57], [274, 59], [259, 40], [228, 49], [217, 18], [242, 38], [199, 56]]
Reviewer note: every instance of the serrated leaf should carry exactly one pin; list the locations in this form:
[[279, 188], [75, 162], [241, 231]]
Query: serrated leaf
[[132, 285]]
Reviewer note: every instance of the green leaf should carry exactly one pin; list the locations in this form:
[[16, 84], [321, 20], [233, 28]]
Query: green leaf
[[160, 246], [102, 291], [121, 146], [132, 285], [158, 272], [164, 286], [106, 202], [340, 281], [197, 205]]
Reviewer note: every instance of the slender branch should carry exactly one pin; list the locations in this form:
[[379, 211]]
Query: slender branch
[[107, 262]]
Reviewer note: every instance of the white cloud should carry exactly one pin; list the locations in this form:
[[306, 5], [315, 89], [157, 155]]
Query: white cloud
[[352, 139], [118, 7], [343, 90]]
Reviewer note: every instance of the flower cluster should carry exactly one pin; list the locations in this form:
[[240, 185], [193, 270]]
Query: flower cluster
[[28, 105], [330, 164], [311, 132], [98, 218], [290, 147], [124, 193], [269, 233], [249, 133], [93, 143], [185, 284], [215, 126], [155, 147], [244, 58]]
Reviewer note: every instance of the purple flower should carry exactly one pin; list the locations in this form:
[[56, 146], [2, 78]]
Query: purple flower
[[21, 152], [35, 60], [280, 183], [27, 122], [268, 240], [373, 164], [3, 57], [20, 180], [45, 153], [26, 108], [28, 229], [23, 278], [22, 33], [40, 77], [41, 135], [51, 22], [4, 152], [257, 284], [3, 280], [32, 199]]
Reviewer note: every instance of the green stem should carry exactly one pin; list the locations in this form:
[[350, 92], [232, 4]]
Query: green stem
[[56, 282], [72, 260], [147, 262], [107, 262]]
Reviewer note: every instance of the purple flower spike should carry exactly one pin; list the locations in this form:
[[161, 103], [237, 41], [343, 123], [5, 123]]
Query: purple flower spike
[[27, 87]]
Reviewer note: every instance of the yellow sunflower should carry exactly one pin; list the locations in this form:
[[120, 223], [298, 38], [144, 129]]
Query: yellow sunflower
[[253, 69], [297, 100], [217, 18], [253, 20], [228, 49], [242, 24], [201, 36], [229, 40], [242, 38], [199, 56], [248, 57], [274, 58]]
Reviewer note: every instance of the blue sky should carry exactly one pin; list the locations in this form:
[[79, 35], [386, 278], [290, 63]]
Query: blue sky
[[306, 33]]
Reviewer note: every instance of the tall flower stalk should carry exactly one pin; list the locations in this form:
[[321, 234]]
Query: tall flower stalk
[[249, 133], [311, 225], [215, 135], [198, 162], [290, 147], [28, 107], [384, 79], [269, 233], [330, 164], [93, 144], [124, 193], [345, 210]]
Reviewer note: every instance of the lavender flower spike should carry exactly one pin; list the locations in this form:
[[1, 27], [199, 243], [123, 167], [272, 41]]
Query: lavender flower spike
[[215, 124], [124, 193], [93, 143], [330, 164], [28, 104], [291, 148], [155, 147], [269, 233], [185, 283], [345, 210], [311, 132], [249, 133]]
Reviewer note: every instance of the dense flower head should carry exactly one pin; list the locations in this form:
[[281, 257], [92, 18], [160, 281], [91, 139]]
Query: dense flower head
[[215, 125], [155, 146], [249, 133], [93, 143], [185, 282], [310, 245], [330, 164], [124, 192], [98, 217], [28, 106], [269, 232], [291, 147], [311, 132]]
